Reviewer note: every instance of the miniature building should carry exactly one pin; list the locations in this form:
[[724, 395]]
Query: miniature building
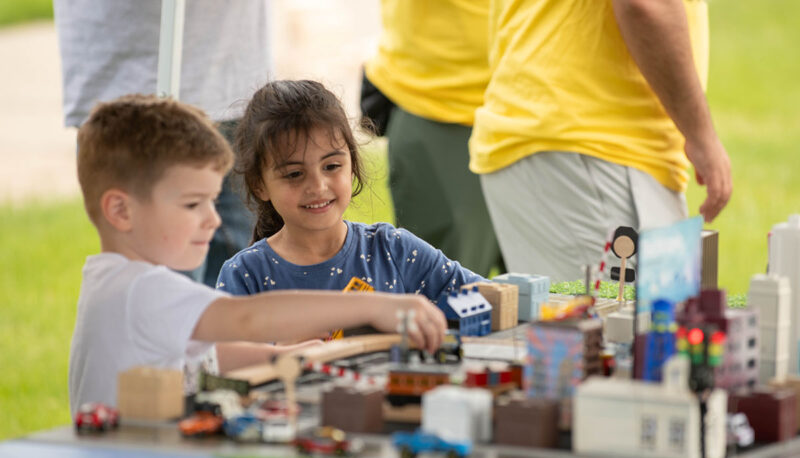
[[784, 260], [740, 367], [504, 299], [634, 418], [618, 327], [560, 355], [469, 310], [353, 409], [533, 290], [771, 412], [526, 422], [710, 263], [457, 413], [149, 393], [771, 296], [660, 341]]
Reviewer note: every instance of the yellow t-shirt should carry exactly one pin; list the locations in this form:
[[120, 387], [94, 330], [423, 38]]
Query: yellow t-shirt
[[432, 58], [563, 80]]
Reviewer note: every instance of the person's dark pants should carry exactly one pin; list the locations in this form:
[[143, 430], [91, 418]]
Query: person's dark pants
[[236, 229], [435, 195]]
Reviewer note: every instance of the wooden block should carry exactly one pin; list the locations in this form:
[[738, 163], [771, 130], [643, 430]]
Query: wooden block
[[526, 422], [149, 393], [791, 382], [710, 259], [504, 299], [353, 410]]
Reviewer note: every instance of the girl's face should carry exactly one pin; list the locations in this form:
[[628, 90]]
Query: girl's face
[[312, 188]]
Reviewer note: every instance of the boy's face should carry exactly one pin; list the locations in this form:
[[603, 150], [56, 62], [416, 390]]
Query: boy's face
[[312, 189], [174, 227]]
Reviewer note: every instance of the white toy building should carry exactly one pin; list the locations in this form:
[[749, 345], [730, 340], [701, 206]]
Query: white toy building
[[620, 417], [784, 260], [771, 296], [457, 413]]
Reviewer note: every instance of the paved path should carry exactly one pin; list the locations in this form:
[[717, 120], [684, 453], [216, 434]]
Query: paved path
[[320, 39]]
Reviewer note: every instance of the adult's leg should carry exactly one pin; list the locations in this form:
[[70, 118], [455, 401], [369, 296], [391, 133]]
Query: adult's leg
[[552, 211], [435, 195]]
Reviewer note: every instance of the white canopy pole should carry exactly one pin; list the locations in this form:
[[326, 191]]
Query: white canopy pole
[[170, 48]]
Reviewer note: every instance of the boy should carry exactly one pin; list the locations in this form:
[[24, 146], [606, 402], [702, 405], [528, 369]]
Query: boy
[[149, 170]]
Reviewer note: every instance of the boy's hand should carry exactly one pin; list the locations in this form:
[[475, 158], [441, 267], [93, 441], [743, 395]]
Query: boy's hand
[[426, 327]]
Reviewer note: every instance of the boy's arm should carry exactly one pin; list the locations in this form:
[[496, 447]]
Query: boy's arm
[[233, 355], [657, 36], [298, 315]]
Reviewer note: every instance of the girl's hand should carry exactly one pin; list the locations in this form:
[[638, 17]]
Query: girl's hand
[[426, 325]]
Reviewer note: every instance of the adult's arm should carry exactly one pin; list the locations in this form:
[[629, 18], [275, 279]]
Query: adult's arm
[[656, 33]]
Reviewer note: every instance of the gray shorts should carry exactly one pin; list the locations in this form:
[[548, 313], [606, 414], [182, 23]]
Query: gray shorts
[[552, 210]]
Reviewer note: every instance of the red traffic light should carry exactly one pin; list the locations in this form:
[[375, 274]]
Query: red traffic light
[[696, 336]]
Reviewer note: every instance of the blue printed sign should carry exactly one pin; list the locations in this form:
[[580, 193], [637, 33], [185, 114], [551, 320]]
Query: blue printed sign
[[669, 262]]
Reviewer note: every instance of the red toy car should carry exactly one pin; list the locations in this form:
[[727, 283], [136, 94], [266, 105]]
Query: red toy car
[[201, 424], [94, 416], [325, 440]]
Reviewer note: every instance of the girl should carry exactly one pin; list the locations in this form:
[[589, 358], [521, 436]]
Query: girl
[[301, 166]]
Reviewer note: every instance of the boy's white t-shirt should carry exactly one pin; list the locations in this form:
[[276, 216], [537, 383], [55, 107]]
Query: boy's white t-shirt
[[132, 313]]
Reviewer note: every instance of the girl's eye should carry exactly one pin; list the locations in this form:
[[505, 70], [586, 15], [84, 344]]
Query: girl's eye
[[332, 166], [192, 205], [293, 175]]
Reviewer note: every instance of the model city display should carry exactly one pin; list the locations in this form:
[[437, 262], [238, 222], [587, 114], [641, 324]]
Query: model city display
[[674, 373]]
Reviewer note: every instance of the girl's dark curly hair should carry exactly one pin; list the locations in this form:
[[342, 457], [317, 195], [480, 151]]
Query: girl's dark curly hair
[[279, 117]]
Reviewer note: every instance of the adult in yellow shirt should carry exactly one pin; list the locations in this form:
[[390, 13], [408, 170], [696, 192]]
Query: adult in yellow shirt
[[594, 113], [432, 62]]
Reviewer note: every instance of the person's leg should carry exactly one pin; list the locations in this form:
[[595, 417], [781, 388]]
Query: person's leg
[[236, 229], [552, 211], [435, 195]]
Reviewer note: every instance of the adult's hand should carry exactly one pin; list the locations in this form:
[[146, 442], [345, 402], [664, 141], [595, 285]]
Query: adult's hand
[[712, 168]]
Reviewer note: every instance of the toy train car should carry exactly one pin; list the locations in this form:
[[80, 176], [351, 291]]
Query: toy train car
[[406, 386], [495, 378]]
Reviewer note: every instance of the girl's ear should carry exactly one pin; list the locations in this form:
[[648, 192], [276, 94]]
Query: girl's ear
[[261, 192], [115, 205]]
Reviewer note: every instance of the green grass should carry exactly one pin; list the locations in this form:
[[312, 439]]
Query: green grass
[[42, 249], [16, 11], [754, 98], [755, 103]]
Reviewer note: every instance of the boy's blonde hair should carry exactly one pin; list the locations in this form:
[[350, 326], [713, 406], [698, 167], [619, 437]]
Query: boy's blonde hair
[[128, 143]]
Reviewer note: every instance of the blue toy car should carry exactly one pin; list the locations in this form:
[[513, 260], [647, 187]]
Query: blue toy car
[[410, 444]]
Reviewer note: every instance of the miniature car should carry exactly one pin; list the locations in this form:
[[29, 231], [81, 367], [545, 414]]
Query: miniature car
[[280, 430], [245, 427], [201, 424], [94, 416], [410, 444], [451, 345], [739, 430], [326, 440], [219, 402]]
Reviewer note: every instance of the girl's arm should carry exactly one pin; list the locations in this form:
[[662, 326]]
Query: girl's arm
[[298, 315], [233, 355]]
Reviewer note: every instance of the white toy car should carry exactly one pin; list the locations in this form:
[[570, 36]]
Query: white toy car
[[739, 430]]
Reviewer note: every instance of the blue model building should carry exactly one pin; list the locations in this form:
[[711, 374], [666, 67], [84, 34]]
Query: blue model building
[[533, 291], [410, 444], [660, 344], [469, 309]]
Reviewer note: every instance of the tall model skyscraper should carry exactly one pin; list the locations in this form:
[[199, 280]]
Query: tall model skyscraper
[[784, 260], [771, 296]]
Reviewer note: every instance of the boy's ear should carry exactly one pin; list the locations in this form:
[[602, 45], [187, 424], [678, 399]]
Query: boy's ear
[[116, 207]]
